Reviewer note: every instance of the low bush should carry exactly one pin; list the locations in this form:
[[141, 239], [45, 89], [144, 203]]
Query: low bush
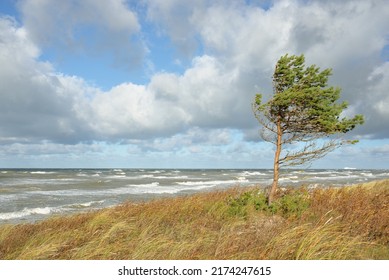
[[289, 203]]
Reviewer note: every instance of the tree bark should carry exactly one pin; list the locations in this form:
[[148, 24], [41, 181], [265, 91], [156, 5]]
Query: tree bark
[[276, 164]]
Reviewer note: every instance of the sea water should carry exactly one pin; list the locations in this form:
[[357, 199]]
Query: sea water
[[29, 195]]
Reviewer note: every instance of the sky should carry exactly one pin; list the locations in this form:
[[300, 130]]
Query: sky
[[170, 83]]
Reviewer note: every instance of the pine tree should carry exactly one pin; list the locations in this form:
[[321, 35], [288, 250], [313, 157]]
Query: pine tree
[[303, 110]]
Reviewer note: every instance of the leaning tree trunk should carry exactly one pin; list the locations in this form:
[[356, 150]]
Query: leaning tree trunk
[[276, 165]]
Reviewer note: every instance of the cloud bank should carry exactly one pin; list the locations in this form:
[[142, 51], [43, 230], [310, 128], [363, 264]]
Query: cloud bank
[[232, 46]]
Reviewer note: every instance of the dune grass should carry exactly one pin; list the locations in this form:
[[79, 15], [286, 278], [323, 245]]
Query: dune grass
[[332, 223]]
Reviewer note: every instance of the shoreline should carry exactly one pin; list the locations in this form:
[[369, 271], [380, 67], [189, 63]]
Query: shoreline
[[136, 201], [33, 195]]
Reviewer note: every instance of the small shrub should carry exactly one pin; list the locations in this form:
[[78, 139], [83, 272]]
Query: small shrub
[[290, 203], [238, 206], [246, 202]]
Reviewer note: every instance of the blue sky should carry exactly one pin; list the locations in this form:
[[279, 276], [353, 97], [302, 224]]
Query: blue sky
[[169, 84]]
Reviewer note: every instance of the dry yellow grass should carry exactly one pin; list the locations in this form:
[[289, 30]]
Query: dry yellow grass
[[333, 223]]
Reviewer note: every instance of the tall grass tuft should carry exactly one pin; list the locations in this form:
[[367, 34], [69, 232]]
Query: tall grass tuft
[[324, 240]]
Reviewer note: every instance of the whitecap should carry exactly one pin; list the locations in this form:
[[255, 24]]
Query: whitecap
[[170, 177], [214, 183], [85, 204], [26, 212], [251, 173], [153, 184]]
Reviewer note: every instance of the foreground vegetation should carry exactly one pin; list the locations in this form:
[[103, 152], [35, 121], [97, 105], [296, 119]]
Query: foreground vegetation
[[333, 223]]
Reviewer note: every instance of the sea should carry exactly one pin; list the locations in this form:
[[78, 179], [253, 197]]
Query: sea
[[30, 195]]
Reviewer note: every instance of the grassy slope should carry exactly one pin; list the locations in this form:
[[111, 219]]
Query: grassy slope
[[334, 223]]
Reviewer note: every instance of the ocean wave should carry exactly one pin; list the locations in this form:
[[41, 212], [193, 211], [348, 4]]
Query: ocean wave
[[156, 190], [252, 173], [128, 189], [170, 189], [382, 175], [333, 178], [118, 170], [144, 176], [151, 188], [42, 172], [119, 176], [289, 179], [367, 174], [84, 205], [27, 212], [213, 183], [153, 184], [171, 177]]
